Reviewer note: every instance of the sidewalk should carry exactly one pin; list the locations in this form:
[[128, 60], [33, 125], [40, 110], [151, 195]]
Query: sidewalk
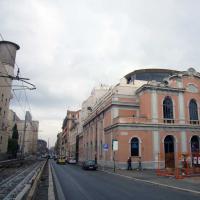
[[191, 184]]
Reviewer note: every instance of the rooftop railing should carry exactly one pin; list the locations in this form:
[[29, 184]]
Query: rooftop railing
[[145, 120]]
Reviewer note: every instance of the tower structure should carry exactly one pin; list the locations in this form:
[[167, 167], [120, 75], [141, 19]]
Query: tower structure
[[7, 64]]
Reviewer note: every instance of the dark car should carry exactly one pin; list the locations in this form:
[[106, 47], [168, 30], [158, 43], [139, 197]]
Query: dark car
[[89, 164]]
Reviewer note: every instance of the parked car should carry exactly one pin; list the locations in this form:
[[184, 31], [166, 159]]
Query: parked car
[[71, 160], [89, 164], [55, 157], [61, 160]]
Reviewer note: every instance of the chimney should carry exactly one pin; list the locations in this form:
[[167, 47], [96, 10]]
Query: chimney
[[8, 52]]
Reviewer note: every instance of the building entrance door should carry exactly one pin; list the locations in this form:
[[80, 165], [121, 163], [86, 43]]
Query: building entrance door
[[169, 152]]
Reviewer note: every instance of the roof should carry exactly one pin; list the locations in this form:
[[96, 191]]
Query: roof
[[151, 71], [8, 42]]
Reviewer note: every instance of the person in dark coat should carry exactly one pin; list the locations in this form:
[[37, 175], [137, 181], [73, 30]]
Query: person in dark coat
[[129, 164]]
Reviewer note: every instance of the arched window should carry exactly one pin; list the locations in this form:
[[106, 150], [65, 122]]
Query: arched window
[[193, 110], [168, 110], [134, 147]]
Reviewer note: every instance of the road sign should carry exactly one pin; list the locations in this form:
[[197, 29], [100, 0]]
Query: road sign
[[105, 147], [115, 145]]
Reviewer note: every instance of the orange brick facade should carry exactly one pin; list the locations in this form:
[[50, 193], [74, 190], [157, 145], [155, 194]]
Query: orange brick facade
[[137, 110]]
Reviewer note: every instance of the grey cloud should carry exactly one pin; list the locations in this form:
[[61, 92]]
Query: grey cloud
[[68, 47]]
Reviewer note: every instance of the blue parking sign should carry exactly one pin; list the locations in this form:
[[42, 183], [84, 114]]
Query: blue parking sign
[[105, 147]]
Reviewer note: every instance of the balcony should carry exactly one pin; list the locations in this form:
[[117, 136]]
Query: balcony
[[194, 122], [160, 121], [168, 121]]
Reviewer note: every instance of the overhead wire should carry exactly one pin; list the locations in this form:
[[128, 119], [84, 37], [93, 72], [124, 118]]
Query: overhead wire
[[23, 87], [18, 69], [9, 75], [33, 127], [23, 110]]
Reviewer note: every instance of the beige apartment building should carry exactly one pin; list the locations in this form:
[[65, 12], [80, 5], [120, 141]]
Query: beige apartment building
[[86, 110], [27, 130], [7, 63], [58, 144], [70, 131], [28, 134], [75, 131], [71, 139]]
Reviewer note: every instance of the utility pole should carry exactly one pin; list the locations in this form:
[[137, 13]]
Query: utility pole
[[114, 148], [29, 85], [48, 147]]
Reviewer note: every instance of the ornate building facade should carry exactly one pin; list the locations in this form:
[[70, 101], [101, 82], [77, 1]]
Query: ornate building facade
[[152, 113]]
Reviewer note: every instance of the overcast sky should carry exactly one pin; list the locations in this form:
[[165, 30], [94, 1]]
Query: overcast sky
[[68, 47]]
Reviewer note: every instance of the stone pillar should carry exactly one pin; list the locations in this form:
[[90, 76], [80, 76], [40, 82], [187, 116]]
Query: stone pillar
[[183, 141], [181, 108], [156, 148], [154, 107], [181, 103]]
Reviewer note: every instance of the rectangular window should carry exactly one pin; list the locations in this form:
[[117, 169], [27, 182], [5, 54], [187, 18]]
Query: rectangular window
[[135, 150], [135, 147]]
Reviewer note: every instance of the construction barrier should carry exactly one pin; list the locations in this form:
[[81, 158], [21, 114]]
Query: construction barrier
[[191, 164], [178, 165]]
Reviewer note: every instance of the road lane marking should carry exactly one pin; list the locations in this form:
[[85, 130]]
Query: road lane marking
[[154, 183], [51, 195]]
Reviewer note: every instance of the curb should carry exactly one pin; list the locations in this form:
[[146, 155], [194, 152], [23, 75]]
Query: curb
[[34, 186], [51, 195], [59, 192], [153, 183]]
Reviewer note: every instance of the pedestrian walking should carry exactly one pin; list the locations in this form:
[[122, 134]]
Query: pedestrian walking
[[139, 164], [129, 164]]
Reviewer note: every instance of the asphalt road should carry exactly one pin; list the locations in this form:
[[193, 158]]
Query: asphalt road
[[78, 184]]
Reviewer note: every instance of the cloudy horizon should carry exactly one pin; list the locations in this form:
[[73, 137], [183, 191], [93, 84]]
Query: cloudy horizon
[[69, 47]]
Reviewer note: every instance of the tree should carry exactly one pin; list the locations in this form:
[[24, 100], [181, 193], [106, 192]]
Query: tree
[[15, 134], [13, 142]]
